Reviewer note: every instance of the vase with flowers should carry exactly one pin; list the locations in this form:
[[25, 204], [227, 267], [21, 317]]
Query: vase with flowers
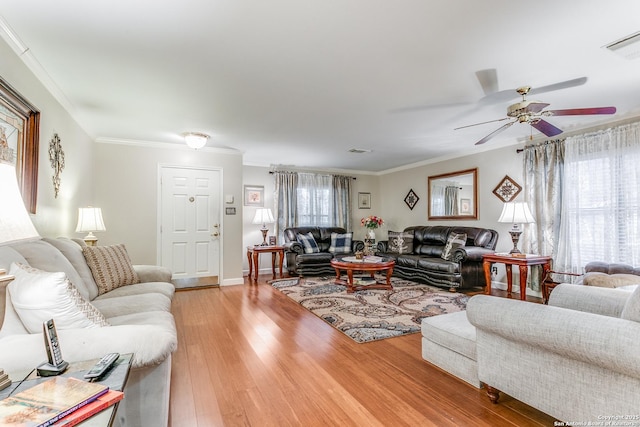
[[371, 223]]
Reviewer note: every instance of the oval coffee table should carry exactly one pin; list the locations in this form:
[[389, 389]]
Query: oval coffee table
[[368, 265]]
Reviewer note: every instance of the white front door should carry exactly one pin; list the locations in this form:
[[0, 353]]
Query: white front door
[[190, 221]]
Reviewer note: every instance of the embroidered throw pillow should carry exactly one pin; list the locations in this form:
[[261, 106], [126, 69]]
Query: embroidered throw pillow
[[400, 242], [454, 241], [38, 296], [341, 243], [308, 243], [111, 267]]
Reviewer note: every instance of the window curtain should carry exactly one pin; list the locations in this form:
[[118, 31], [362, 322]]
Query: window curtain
[[342, 201], [286, 184], [601, 201], [543, 183]]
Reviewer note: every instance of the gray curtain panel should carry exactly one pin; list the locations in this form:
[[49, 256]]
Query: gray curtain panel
[[286, 201], [342, 201]]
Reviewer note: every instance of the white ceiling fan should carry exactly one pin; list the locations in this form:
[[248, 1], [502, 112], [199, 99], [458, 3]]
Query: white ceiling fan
[[533, 113]]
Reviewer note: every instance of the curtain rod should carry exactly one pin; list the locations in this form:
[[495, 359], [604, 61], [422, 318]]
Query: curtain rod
[[272, 172]]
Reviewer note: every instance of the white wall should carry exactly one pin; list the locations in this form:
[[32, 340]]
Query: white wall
[[126, 188], [54, 216]]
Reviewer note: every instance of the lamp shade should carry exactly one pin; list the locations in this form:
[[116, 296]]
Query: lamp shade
[[15, 223], [90, 219], [263, 216], [516, 213]]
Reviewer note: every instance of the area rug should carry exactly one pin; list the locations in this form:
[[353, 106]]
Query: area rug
[[371, 315]]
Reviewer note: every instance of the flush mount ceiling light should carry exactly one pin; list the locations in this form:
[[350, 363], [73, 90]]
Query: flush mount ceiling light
[[627, 47], [359, 150], [195, 140]]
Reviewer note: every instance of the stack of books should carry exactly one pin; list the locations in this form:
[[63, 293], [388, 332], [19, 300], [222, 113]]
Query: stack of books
[[4, 380], [57, 401]]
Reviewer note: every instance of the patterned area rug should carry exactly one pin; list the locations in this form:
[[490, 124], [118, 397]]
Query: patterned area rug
[[371, 315]]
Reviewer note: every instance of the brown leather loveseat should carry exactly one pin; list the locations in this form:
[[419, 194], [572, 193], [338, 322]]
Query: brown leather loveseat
[[424, 260]]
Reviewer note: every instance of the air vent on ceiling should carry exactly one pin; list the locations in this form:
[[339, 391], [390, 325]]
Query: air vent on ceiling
[[359, 150], [627, 47]]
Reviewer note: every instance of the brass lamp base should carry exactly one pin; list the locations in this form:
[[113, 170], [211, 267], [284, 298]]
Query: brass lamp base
[[264, 236], [90, 239], [515, 237]]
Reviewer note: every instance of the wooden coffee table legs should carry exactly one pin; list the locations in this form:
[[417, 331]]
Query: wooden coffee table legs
[[352, 288]]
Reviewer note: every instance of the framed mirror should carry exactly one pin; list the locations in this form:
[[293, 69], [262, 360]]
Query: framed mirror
[[453, 195]]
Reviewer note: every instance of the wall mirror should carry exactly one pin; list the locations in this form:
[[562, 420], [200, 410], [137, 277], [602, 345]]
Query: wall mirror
[[453, 195]]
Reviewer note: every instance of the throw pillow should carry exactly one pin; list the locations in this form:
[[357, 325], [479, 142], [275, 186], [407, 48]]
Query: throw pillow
[[111, 267], [38, 296], [631, 310], [454, 241], [341, 243], [308, 243], [604, 280], [400, 242]]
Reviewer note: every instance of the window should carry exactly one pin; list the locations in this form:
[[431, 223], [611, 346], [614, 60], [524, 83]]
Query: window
[[600, 197], [314, 200]]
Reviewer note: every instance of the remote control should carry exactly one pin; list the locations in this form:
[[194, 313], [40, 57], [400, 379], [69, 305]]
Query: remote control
[[102, 366]]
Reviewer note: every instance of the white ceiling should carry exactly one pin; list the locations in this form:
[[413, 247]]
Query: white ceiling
[[300, 82]]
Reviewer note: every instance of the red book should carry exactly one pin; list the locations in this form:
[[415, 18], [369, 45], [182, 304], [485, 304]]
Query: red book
[[90, 409]]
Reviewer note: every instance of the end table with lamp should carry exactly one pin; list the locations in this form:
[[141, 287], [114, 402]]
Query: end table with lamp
[[263, 216]]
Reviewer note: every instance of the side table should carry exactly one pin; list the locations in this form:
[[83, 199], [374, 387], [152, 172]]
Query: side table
[[115, 379], [253, 252], [523, 263]]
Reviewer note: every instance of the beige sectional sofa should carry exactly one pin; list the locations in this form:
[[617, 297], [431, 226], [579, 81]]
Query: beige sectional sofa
[[138, 320]]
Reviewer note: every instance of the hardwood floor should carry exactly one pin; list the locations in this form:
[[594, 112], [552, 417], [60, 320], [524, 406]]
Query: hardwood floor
[[249, 356]]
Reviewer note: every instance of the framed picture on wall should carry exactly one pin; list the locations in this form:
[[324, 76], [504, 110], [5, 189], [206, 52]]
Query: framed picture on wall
[[254, 195], [364, 200], [465, 206]]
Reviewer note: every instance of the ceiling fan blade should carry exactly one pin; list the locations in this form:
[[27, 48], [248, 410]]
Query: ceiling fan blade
[[546, 128], [494, 133], [581, 111], [557, 86], [506, 95], [488, 80], [483, 123]]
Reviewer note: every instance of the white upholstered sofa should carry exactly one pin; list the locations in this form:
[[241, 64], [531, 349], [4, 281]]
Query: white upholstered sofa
[[139, 321], [576, 359]]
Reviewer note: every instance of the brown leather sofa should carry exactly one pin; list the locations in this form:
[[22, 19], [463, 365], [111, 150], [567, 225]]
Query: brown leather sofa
[[302, 264], [425, 263]]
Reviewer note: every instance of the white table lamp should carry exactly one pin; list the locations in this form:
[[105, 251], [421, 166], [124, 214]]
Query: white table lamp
[[90, 220], [263, 216], [516, 213]]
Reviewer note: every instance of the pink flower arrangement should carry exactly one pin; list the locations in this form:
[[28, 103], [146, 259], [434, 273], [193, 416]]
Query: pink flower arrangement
[[371, 222]]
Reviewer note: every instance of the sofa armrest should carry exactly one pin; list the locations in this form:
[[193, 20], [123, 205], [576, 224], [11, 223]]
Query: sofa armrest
[[293, 247], [470, 253], [607, 342], [590, 299], [152, 273], [150, 344], [357, 245]]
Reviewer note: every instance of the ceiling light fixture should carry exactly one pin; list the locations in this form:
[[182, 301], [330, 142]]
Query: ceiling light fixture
[[195, 140]]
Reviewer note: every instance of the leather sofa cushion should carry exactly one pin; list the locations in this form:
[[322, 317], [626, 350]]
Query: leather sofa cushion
[[438, 264], [316, 258]]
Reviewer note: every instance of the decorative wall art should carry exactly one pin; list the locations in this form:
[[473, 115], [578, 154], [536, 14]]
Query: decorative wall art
[[364, 200], [19, 136], [254, 195], [507, 190], [56, 157], [465, 206], [411, 199]]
